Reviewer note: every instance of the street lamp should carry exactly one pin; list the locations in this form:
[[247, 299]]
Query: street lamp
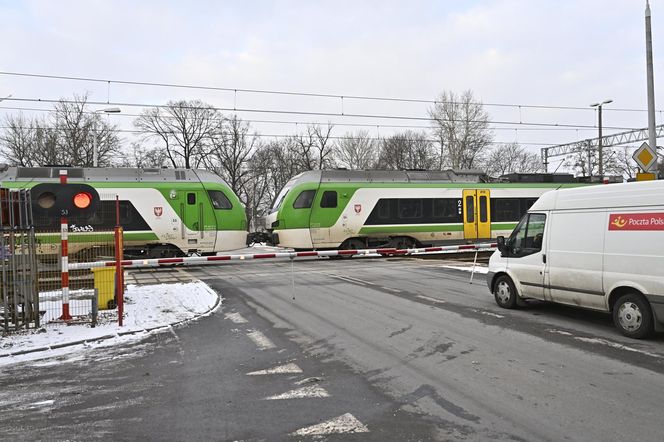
[[599, 143], [95, 150]]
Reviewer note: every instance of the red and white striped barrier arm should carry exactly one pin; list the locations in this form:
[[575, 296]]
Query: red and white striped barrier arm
[[198, 260]]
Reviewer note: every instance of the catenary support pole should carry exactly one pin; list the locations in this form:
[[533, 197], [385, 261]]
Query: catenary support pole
[[119, 277], [652, 137]]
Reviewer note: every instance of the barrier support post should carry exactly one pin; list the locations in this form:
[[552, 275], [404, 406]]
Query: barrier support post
[[119, 277], [64, 256]]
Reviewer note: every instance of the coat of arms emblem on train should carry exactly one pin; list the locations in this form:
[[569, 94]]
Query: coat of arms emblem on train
[[358, 208], [158, 211]]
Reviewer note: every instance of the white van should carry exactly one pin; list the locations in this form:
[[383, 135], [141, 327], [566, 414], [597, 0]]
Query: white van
[[599, 247]]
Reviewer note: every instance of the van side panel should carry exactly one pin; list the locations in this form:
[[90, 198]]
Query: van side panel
[[634, 257], [575, 258]]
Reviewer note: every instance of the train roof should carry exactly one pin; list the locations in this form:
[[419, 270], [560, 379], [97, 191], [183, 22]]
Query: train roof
[[391, 176], [101, 174]]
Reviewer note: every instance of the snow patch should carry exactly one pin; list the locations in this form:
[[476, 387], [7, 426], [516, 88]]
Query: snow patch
[[147, 307]]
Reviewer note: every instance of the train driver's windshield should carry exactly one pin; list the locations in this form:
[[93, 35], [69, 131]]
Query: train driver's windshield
[[280, 197]]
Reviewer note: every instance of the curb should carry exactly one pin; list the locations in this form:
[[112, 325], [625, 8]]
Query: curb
[[119, 334]]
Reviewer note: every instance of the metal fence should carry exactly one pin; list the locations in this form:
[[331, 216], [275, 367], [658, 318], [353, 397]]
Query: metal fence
[[84, 246], [20, 298]]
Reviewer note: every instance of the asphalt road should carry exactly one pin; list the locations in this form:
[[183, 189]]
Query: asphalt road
[[389, 349]]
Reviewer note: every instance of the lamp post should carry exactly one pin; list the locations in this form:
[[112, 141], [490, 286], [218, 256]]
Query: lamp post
[[95, 150], [600, 157]]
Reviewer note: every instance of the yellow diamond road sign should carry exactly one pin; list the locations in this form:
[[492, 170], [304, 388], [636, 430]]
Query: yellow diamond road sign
[[645, 157]]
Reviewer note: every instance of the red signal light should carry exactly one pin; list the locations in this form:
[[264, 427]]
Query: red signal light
[[82, 200]]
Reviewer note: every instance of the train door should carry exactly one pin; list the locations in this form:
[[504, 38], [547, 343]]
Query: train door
[[323, 215], [199, 223], [476, 213]]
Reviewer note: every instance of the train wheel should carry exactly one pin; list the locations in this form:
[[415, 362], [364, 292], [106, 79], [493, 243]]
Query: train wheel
[[352, 244], [403, 242]]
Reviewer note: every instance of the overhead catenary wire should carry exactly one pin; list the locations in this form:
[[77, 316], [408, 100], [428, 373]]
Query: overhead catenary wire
[[311, 113], [308, 123], [259, 135], [235, 90]]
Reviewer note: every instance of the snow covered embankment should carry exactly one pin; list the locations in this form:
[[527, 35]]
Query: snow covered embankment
[[147, 307]]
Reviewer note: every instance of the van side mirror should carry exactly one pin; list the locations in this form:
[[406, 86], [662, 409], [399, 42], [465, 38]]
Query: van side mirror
[[501, 244]]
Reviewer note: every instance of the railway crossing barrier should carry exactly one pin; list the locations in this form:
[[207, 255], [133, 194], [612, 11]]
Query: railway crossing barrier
[[219, 259]]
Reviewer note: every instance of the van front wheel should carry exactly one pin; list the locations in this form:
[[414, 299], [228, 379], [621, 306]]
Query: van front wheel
[[505, 292], [633, 316]]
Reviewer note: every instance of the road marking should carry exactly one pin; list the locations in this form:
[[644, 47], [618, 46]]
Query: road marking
[[427, 298], [236, 318], [281, 369], [346, 423], [390, 289], [312, 391], [615, 345], [261, 341], [349, 279], [42, 403], [495, 315]]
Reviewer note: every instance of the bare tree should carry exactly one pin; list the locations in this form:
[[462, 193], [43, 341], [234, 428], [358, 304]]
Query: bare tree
[[232, 146], [184, 128], [76, 129], [461, 126], [66, 136], [314, 149], [18, 141], [408, 150], [510, 158], [357, 151]]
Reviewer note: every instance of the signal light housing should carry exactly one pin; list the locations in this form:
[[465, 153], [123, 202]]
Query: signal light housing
[[55, 200]]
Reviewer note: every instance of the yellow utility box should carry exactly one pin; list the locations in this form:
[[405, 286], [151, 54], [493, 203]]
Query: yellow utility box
[[105, 285]]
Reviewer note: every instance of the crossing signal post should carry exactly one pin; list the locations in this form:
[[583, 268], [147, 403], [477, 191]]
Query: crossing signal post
[[64, 200]]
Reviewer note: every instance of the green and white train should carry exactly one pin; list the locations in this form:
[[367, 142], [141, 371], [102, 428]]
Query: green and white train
[[358, 209], [164, 212]]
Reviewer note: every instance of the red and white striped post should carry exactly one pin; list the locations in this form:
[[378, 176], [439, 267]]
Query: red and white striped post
[[64, 256], [119, 277]]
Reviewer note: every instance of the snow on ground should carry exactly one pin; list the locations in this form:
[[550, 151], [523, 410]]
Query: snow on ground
[[146, 307], [469, 268]]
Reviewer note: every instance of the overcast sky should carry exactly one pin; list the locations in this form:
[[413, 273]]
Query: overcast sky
[[568, 53]]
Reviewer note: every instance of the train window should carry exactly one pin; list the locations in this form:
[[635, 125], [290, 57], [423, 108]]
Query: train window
[[410, 208], [329, 199], [483, 209], [383, 207], [505, 209], [445, 209], [470, 209], [219, 200], [304, 199], [191, 198]]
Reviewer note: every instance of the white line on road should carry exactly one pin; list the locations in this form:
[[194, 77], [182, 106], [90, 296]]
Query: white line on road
[[261, 341], [495, 315], [437, 301], [236, 318], [312, 391], [615, 345], [281, 369], [346, 423]]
